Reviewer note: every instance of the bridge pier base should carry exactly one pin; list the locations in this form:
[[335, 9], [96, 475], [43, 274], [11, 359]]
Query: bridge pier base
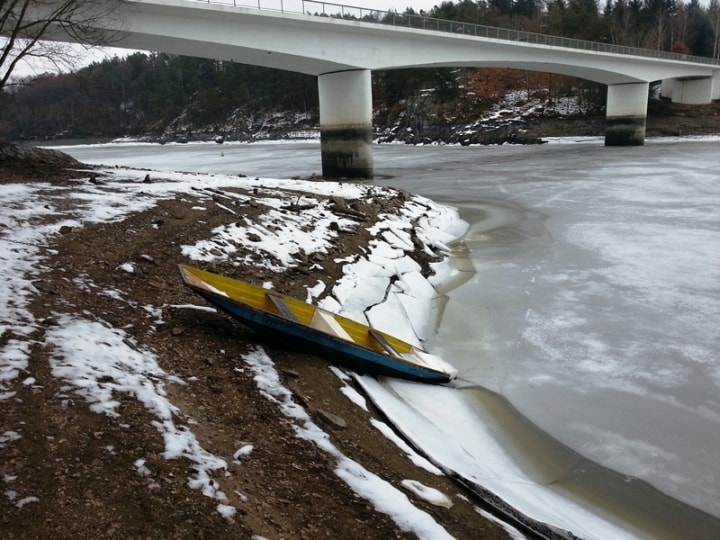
[[626, 114], [346, 124]]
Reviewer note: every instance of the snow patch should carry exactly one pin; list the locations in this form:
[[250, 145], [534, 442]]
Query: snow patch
[[426, 493], [385, 497], [98, 362]]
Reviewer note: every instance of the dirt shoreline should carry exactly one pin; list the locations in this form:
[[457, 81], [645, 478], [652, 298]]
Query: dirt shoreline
[[81, 465]]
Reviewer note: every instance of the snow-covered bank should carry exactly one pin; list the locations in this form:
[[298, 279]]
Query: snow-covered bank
[[101, 364], [524, 198], [532, 201]]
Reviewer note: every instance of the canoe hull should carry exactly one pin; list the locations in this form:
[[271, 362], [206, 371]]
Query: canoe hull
[[338, 351]]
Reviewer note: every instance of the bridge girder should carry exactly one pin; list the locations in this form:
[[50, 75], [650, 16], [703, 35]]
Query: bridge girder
[[317, 45]]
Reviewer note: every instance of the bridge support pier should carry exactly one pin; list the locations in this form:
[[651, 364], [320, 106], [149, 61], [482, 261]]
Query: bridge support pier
[[626, 114], [346, 124], [692, 90]]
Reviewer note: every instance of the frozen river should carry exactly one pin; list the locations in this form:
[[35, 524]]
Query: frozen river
[[588, 332]]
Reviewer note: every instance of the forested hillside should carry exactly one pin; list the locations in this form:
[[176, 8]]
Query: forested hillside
[[165, 96]]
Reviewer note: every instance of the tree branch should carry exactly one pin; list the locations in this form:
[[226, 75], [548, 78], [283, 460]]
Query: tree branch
[[27, 23]]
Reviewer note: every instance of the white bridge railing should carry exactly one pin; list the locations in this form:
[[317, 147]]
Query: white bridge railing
[[339, 11]]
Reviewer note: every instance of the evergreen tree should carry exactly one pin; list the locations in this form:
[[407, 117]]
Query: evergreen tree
[[714, 20], [700, 34], [582, 20]]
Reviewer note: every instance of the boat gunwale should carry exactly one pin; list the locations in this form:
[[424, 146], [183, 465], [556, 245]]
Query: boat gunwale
[[425, 373]]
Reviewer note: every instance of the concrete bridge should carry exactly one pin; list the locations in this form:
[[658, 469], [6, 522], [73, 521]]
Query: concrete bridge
[[342, 53]]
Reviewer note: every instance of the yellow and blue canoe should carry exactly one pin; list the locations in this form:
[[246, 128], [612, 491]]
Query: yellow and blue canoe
[[342, 340]]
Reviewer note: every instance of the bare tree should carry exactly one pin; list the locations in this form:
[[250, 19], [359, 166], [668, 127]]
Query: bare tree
[[33, 29]]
